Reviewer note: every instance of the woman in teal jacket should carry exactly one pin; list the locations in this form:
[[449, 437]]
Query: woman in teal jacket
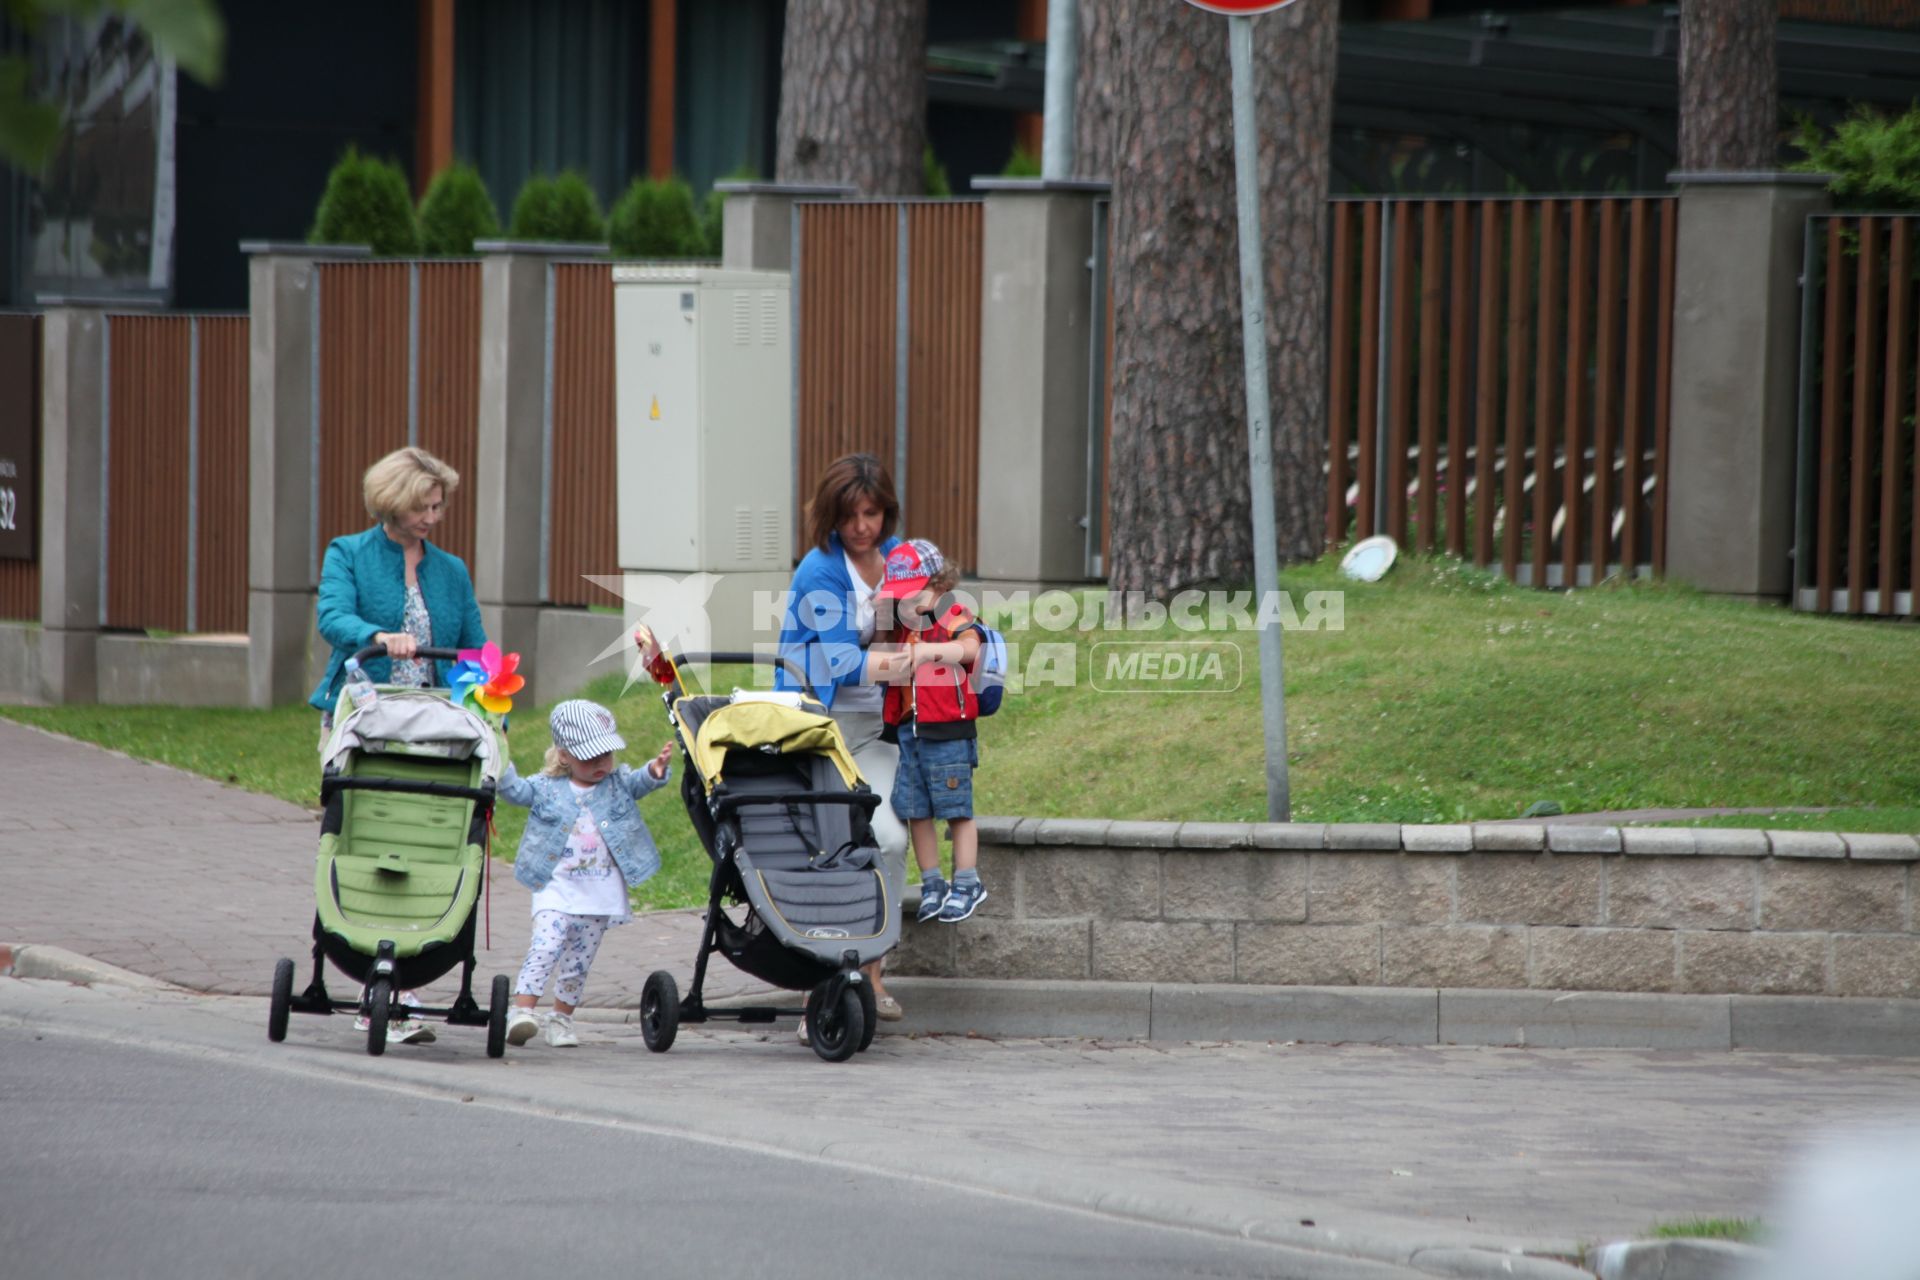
[[389, 585]]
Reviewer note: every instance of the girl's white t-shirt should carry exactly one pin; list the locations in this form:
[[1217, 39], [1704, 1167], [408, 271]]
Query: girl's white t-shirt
[[588, 881], [860, 697]]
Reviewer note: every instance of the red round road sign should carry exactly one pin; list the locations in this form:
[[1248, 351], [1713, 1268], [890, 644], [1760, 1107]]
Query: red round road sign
[[1239, 8]]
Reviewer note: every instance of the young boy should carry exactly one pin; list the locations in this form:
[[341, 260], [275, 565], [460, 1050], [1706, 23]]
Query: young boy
[[931, 706]]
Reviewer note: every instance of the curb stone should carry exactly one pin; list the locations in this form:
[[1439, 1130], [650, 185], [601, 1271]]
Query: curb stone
[[1476, 1264], [1678, 1260], [1003, 1009], [57, 964]]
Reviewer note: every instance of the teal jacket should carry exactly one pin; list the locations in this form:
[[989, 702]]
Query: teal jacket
[[363, 589]]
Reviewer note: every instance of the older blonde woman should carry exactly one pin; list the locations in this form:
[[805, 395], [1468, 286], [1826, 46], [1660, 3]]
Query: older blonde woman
[[390, 585]]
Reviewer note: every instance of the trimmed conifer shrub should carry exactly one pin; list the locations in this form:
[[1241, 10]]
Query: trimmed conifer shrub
[[562, 209], [656, 219], [366, 202], [455, 212]]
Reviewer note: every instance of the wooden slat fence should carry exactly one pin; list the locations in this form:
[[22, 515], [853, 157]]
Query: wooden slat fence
[[176, 449], [398, 364], [20, 406], [1498, 375], [1857, 549], [583, 531], [869, 364]]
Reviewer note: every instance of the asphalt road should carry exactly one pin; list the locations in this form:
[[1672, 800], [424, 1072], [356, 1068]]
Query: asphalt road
[[123, 1160]]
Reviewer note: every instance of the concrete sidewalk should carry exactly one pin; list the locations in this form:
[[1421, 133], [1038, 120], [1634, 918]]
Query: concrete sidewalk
[[202, 885]]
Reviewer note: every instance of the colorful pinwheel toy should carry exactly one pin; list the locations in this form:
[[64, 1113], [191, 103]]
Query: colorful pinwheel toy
[[487, 678]]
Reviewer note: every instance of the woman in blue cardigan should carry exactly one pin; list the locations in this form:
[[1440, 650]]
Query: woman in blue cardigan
[[389, 585], [825, 631]]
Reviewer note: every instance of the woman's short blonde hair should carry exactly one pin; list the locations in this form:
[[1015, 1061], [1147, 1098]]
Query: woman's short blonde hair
[[400, 482]]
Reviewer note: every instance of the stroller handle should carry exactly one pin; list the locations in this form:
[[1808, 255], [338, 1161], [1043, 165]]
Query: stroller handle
[[738, 659], [380, 651]]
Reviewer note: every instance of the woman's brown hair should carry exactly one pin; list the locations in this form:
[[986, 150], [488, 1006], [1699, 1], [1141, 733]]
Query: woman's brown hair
[[845, 481]]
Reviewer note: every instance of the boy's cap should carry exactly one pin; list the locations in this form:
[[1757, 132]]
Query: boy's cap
[[585, 729], [910, 566]]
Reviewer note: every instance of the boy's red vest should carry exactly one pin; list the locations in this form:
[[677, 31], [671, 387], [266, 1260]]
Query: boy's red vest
[[941, 700]]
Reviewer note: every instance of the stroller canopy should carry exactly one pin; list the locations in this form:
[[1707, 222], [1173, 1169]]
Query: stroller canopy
[[420, 723], [769, 726]]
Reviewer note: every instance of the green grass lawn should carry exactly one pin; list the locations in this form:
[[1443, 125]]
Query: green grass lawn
[[1448, 696]]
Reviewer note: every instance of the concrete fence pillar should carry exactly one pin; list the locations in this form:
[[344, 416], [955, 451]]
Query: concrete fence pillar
[[510, 480], [72, 498], [1735, 370], [282, 465], [1037, 325], [756, 223]]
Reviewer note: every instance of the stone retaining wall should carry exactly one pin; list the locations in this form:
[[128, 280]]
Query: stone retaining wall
[[1505, 906]]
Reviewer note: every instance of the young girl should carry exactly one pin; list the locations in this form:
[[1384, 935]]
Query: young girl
[[585, 845]]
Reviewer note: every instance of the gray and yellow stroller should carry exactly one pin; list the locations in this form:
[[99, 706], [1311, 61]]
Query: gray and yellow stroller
[[781, 808], [407, 789]]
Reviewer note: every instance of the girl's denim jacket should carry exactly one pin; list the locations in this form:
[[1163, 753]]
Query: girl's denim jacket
[[554, 811]]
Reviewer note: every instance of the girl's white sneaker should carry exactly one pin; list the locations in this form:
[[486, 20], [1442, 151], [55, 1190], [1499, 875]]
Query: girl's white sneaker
[[560, 1032], [522, 1026]]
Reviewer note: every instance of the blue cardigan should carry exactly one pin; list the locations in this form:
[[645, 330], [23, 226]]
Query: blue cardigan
[[816, 626], [363, 589]]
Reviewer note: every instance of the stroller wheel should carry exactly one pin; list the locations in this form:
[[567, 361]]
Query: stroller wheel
[[659, 1011], [379, 1006], [836, 1034], [497, 1016], [870, 1011], [282, 1001]]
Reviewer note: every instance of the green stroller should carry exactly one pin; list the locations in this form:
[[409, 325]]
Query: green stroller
[[407, 790]]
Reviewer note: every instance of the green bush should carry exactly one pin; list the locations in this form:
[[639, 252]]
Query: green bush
[[562, 208], [656, 219], [934, 174], [1874, 159], [455, 212], [1021, 164], [366, 202], [713, 218]]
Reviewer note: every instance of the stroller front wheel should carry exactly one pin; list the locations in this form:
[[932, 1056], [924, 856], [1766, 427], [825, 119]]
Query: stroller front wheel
[[282, 1001], [659, 1011], [835, 1035], [497, 1016], [379, 1007]]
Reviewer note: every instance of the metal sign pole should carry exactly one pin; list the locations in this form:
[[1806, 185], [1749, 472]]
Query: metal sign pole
[[1253, 333]]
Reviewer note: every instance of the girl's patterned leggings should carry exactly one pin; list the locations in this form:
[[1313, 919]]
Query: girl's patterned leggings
[[569, 941]]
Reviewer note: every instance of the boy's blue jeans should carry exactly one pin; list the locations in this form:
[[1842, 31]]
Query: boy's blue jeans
[[935, 778]]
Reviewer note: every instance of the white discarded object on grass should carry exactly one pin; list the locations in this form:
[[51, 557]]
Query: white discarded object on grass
[[1369, 559]]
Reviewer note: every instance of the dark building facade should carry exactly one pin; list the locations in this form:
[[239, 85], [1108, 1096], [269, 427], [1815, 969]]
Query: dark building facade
[[160, 178]]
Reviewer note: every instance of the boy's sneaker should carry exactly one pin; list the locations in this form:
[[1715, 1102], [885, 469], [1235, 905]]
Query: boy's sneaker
[[560, 1032], [962, 901], [522, 1026], [933, 896]]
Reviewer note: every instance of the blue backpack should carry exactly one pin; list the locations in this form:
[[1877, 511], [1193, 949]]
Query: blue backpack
[[989, 676]]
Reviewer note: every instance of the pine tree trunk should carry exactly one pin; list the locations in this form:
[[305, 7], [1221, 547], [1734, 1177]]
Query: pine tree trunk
[[1181, 506], [1729, 86], [1094, 90], [853, 95]]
